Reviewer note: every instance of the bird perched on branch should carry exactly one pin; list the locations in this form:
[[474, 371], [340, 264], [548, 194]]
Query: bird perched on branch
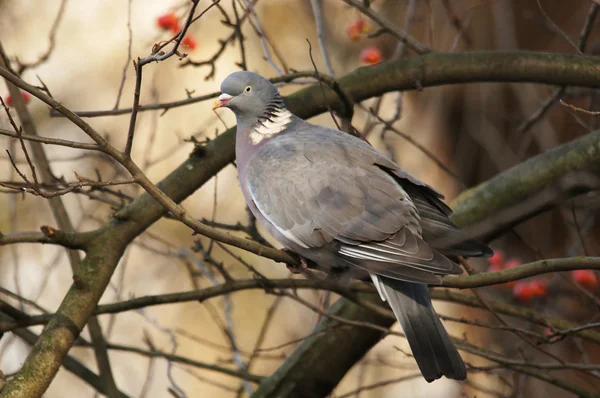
[[334, 199]]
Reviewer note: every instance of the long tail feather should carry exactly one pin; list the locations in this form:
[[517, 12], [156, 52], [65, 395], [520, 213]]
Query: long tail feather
[[431, 346]]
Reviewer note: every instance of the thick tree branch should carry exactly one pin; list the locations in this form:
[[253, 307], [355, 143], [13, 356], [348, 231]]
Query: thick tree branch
[[320, 362], [521, 272], [70, 240], [74, 366], [520, 182], [37, 385], [429, 70], [103, 254]]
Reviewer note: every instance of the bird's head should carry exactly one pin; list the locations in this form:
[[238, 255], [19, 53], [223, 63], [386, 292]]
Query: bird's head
[[246, 94]]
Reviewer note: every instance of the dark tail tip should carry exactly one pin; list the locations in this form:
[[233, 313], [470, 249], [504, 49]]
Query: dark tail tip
[[431, 345]]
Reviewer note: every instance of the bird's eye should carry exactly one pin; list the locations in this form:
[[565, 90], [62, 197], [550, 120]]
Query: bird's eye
[[248, 89]]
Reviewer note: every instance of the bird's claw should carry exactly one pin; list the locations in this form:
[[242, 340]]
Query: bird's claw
[[296, 269]]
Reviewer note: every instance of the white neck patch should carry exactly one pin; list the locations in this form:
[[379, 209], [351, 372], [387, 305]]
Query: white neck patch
[[269, 127]]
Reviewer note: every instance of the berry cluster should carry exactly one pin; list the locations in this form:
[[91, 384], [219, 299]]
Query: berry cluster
[[527, 290], [586, 278], [356, 31], [9, 100], [170, 22]]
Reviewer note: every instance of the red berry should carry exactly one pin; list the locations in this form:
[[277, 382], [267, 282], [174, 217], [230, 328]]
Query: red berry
[[538, 288], [552, 335], [526, 290], [26, 97], [360, 24], [189, 42], [523, 291], [168, 21], [497, 258], [585, 277], [353, 32], [371, 55]]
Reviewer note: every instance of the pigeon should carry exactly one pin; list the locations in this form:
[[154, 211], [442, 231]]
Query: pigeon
[[333, 199]]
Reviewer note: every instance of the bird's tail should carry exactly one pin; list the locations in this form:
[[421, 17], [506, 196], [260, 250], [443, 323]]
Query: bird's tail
[[431, 346]]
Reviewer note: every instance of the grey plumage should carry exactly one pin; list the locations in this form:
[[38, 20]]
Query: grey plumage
[[432, 348], [337, 201]]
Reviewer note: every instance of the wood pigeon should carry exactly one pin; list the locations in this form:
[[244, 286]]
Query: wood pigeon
[[334, 199]]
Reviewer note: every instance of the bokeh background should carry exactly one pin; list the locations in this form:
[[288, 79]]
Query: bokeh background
[[472, 129]]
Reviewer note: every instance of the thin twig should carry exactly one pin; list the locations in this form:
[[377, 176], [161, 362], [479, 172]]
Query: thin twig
[[580, 47], [316, 7], [388, 125], [262, 37], [21, 67], [456, 22], [580, 110], [129, 45], [541, 111], [51, 141], [223, 43], [188, 361], [240, 36], [389, 27], [322, 90], [158, 55]]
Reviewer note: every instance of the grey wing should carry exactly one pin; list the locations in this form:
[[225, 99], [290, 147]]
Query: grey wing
[[438, 229], [319, 190]]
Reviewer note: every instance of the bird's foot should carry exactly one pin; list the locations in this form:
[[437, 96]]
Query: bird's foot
[[296, 269]]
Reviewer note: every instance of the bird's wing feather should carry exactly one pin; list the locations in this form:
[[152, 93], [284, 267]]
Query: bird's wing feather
[[317, 186]]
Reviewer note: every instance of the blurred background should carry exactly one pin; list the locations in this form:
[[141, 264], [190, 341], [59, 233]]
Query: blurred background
[[474, 132]]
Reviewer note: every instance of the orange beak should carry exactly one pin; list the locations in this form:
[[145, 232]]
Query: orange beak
[[222, 101]]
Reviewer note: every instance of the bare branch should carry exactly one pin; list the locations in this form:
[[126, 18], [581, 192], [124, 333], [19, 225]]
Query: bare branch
[[73, 240], [583, 39], [316, 7], [389, 27], [51, 141], [581, 110], [51, 41], [129, 43]]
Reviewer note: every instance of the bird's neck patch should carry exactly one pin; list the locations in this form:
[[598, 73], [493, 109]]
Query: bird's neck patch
[[273, 120]]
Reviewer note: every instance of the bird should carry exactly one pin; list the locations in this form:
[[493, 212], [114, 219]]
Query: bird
[[333, 199]]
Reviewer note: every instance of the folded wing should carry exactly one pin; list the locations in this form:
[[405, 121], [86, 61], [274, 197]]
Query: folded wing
[[325, 187]]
